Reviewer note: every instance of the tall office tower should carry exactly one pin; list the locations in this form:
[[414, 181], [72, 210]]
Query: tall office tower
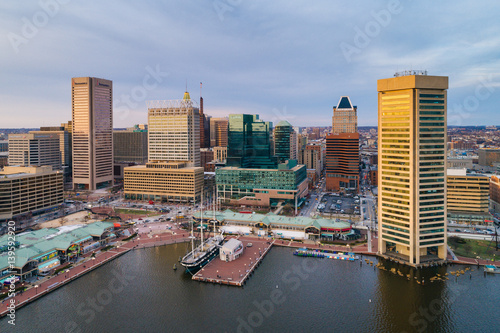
[[412, 167], [345, 118], [342, 162], [203, 144], [282, 133], [92, 127], [173, 173], [218, 132], [174, 131], [294, 150], [35, 149], [250, 142], [342, 148]]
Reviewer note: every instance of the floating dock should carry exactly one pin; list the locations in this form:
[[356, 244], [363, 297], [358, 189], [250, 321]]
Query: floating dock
[[236, 272], [304, 252]]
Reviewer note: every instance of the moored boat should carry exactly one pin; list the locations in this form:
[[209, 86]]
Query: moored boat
[[491, 269]]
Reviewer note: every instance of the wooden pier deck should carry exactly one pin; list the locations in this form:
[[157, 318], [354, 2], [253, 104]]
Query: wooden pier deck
[[236, 272]]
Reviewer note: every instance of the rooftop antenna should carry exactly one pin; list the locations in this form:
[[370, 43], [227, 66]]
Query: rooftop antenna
[[186, 84], [200, 89]]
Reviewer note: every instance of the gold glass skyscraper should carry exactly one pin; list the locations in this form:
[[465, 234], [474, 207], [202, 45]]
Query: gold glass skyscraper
[[92, 112], [412, 167]]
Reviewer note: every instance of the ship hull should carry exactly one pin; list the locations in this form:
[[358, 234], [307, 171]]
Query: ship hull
[[195, 266]]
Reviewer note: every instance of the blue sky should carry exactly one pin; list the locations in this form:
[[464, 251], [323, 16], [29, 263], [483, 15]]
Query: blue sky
[[287, 60]]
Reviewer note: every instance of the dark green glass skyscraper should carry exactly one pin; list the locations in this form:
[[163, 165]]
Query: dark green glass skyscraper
[[282, 140], [249, 144]]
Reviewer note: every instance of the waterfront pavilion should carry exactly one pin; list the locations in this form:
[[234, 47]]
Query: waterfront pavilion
[[277, 225], [40, 251]]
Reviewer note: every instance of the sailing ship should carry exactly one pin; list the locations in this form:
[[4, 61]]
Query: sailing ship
[[207, 250]]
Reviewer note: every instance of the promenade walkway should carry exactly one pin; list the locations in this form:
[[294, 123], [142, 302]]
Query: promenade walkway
[[48, 284]]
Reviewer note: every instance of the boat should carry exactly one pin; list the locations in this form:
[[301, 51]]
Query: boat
[[304, 252], [491, 269], [208, 249]]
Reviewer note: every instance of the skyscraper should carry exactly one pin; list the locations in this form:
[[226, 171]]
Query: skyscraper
[[92, 120], [173, 173], [250, 142], [342, 148], [412, 162], [203, 144], [218, 132], [174, 131], [282, 137], [345, 118]]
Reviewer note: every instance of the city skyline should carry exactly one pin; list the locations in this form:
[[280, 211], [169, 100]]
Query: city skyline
[[222, 44]]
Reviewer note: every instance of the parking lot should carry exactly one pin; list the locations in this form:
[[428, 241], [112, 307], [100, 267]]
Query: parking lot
[[339, 204]]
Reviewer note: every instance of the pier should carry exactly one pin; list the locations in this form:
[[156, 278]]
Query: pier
[[236, 272]]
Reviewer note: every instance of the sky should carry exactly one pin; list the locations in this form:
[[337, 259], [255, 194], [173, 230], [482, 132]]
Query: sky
[[284, 60]]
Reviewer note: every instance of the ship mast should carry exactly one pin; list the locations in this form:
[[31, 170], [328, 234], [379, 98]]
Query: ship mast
[[215, 206], [201, 219]]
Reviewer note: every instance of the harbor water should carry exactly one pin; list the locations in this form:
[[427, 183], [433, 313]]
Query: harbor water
[[140, 292]]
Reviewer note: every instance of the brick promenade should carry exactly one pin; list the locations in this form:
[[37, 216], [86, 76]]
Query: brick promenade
[[46, 285]]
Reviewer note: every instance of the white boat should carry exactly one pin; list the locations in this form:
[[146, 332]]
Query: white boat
[[491, 269]]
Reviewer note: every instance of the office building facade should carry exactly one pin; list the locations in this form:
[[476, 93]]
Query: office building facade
[[467, 197], [262, 187], [130, 146], [495, 194], [282, 141], [488, 156], [345, 117], [342, 162], [27, 191], [64, 145], [92, 132], [250, 140], [173, 173], [164, 182], [342, 149], [174, 131], [35, 149], [411, 167], [218, 132]]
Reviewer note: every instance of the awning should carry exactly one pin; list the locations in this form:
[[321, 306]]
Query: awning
[[289, 234], [47, 266], [44, 255], [8, 278]]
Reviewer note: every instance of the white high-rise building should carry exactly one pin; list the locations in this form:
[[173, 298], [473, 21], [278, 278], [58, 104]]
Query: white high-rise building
[[174, 131]]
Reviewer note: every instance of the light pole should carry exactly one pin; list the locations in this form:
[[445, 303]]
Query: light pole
[[36, 289], [93, 262]]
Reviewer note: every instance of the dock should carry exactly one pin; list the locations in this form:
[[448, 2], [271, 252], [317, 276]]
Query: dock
[[236, 272]]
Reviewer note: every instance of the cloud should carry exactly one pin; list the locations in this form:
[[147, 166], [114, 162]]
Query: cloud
[[261, 57]]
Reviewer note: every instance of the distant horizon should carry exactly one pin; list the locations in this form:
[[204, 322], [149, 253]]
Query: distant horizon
[[364, 126]]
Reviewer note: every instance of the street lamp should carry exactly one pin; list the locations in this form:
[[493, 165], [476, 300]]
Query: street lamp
[[36, 289], [93, 262]]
